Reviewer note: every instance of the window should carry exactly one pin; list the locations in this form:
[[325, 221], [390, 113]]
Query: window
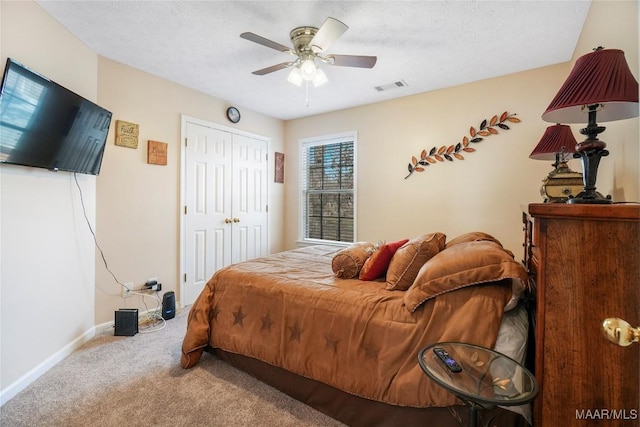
[[327, 188]]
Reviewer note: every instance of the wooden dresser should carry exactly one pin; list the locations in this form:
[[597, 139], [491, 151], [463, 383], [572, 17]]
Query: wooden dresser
[[584, 266]]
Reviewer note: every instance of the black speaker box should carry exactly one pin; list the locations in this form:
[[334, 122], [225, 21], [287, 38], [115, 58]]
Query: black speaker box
[[126, 322], [169, 305]]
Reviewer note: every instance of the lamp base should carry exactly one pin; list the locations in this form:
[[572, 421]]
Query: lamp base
[[590, 151], [561, 184], [594, 197]]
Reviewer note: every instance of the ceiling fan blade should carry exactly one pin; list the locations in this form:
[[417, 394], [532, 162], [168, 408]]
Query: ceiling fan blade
[[265, 42], [353, 60], [328, 33], [272, 68]]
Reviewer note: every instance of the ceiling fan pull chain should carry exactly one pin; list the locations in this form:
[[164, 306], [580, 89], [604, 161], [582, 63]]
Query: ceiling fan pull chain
[[306, 93]]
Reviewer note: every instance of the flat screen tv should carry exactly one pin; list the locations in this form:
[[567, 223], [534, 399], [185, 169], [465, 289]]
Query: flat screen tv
[[44, 125]]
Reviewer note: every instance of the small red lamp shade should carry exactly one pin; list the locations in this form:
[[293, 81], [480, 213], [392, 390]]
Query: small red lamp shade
[[561, 183], [556, 139], [600, 77]]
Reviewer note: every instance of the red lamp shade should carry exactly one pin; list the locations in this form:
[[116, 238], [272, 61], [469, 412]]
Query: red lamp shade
[[600, 77], [557, 138]]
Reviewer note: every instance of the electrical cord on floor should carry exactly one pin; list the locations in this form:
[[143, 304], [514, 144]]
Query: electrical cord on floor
[[153, 315]]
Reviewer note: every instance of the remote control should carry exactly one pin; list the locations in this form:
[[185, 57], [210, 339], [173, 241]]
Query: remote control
[[449, 362]]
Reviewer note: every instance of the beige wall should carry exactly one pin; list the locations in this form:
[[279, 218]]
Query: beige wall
[[138, 205], [47, 254], [486, 190]]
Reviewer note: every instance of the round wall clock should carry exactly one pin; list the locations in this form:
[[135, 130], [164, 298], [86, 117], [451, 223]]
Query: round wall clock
[[233, 114]]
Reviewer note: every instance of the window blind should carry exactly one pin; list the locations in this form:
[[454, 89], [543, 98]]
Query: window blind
[[327, 182]]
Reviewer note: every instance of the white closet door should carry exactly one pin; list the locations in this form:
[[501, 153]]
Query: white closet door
[[249, 182], [208, 223], [225, 192]]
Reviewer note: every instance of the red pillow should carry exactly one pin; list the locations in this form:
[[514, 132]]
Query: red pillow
[[376, 265]]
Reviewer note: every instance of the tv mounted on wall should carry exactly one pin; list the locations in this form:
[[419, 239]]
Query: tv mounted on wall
[[45, 125]]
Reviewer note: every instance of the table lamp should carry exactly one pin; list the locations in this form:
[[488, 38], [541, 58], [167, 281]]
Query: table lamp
[[599, 86], [558, 144]]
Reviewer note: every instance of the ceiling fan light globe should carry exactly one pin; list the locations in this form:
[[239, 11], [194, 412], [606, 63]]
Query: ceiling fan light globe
[[308, 69], [320, 78], [295, 77]]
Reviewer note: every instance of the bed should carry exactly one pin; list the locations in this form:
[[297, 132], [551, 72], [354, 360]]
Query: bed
[[340, 329]]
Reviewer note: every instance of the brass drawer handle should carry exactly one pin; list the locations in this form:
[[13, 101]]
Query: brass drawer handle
[[620, 332]]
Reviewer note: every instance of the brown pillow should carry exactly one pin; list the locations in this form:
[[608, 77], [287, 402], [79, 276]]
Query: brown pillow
[[462, 265], [348, 262], [473, 236], [407, 260]]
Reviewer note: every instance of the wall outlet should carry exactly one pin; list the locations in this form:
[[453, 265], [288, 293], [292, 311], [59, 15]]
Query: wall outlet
[[126, 289], [152, 284]]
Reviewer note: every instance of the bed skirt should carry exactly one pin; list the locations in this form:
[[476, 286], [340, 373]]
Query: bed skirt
[[356, 411]]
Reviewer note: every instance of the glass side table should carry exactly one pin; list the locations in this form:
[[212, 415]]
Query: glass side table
[[485, 378]]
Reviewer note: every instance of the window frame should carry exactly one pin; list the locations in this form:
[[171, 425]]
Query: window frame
[[303, 145]]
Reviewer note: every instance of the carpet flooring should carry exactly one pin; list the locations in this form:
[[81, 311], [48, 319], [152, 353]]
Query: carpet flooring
[[117, 381]]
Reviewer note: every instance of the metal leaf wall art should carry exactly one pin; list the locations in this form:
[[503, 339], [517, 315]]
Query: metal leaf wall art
[[435, 155]]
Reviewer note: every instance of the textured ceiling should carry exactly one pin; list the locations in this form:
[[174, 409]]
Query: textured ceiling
[[427, 44]]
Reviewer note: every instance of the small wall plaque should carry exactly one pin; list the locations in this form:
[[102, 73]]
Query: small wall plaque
[[127, 134], [279, 168], [157, 153]]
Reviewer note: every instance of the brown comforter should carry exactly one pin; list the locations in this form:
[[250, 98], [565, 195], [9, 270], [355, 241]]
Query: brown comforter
[[290, 311]]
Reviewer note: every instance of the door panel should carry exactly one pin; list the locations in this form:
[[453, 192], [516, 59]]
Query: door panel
[[249, 239], [207, 240]]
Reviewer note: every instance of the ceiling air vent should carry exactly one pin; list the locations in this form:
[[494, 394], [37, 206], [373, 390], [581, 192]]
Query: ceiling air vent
[[394, 85]]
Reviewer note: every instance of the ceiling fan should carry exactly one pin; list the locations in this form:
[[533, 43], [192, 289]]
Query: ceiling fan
[[308, 45]]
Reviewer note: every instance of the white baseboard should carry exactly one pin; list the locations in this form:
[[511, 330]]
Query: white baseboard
[[12, 390], [105, 327]]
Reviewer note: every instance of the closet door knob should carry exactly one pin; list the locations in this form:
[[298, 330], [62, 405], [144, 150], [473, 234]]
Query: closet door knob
[[228, 220], [236, 219]]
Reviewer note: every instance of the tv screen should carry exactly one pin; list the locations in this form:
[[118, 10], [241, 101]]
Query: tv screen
[[44, 125]]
